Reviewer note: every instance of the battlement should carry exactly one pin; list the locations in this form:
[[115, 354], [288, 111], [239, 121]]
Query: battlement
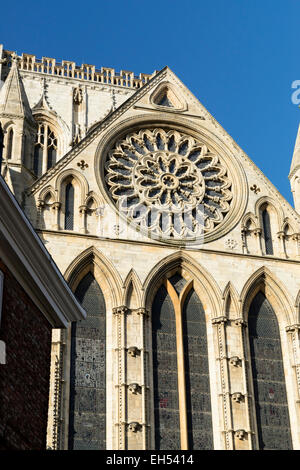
[[69, 69]]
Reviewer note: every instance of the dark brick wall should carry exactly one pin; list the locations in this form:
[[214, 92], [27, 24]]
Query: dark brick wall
[[24, 379]]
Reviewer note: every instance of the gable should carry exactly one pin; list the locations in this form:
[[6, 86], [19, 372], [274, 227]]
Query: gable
[[220, 178]]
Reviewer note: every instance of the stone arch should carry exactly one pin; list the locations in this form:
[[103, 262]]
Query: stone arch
[[57, 124], [173, 94], [105, 273], [249, 217], [169, 302], [205, 286], [297, 306], [78, 177], [92, 195], [132, 287], [263, 288], [231, 303], [268, 201], [48, 189], [7, 125], [263, 280], [287, 222]]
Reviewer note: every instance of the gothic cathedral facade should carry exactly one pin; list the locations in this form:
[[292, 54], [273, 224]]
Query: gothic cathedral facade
[[183, 254]]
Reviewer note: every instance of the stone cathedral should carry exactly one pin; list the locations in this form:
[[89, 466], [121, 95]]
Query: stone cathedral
[[184, 255]]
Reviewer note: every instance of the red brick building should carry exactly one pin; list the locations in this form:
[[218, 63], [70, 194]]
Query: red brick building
[[34, 298]]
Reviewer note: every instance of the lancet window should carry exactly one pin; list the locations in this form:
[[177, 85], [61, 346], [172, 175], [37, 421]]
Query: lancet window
[[69, 207], [270, 396], [45, 150], [10, 140], [87, 416], [267, 232], [182, 407]]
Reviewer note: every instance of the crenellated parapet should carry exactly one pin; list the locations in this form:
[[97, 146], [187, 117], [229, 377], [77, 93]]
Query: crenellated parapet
[[69, 69]]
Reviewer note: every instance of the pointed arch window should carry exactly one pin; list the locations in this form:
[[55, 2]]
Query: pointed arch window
[[87, 415], [270, 396], [69, 207], [46, 140], [182, 407], [10, 140], [267, 231]]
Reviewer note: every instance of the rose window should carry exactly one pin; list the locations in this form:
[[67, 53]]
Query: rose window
[[168, 183]]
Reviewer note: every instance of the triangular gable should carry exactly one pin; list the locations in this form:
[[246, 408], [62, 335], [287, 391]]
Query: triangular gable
[[192, 108]]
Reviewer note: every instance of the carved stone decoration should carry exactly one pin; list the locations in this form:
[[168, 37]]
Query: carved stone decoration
[[234, 361], [237, 397], [219, 320], [82, 164], [241, 434], [230, 243], [77, 95], [122, 310], [240, 322], [133, 351], [142, 311], [255, 188], [168, 183], [292, 328], [134, 426], [134, 388]]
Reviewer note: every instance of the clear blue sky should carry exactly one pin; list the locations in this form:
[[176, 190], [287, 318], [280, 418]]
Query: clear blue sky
[[239, 57]]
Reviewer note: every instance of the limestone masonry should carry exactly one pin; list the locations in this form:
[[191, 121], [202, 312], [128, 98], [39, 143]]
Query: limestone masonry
[[184, 255]]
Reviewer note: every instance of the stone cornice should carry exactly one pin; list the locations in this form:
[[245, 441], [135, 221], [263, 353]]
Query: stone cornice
[[163, 245]]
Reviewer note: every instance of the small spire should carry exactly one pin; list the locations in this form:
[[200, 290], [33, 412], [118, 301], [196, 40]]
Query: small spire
[[13, 98]]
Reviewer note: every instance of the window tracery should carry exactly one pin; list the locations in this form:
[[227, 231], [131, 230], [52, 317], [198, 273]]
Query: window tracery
[[45, 150], [272, 413], [169, 183], [182, 408]]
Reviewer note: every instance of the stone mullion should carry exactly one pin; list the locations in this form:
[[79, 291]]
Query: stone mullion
[[180, 367], [56, 206], [144, 369], [83, 216], [120, 313], [45, 150], [40, 206], [281, 237], [220, 324], [258, 234], [293, 331], [247, 396]]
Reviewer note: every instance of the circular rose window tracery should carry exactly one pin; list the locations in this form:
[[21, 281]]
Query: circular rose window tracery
[[168, 183]]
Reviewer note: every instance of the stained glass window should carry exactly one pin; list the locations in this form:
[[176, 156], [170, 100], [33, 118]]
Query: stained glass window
[[87, 386], [69, 211], [268, 377], [267, 232], [200, 435], [166, 407]]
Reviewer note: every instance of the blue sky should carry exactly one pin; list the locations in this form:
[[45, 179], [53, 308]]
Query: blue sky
[[239, 57]]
